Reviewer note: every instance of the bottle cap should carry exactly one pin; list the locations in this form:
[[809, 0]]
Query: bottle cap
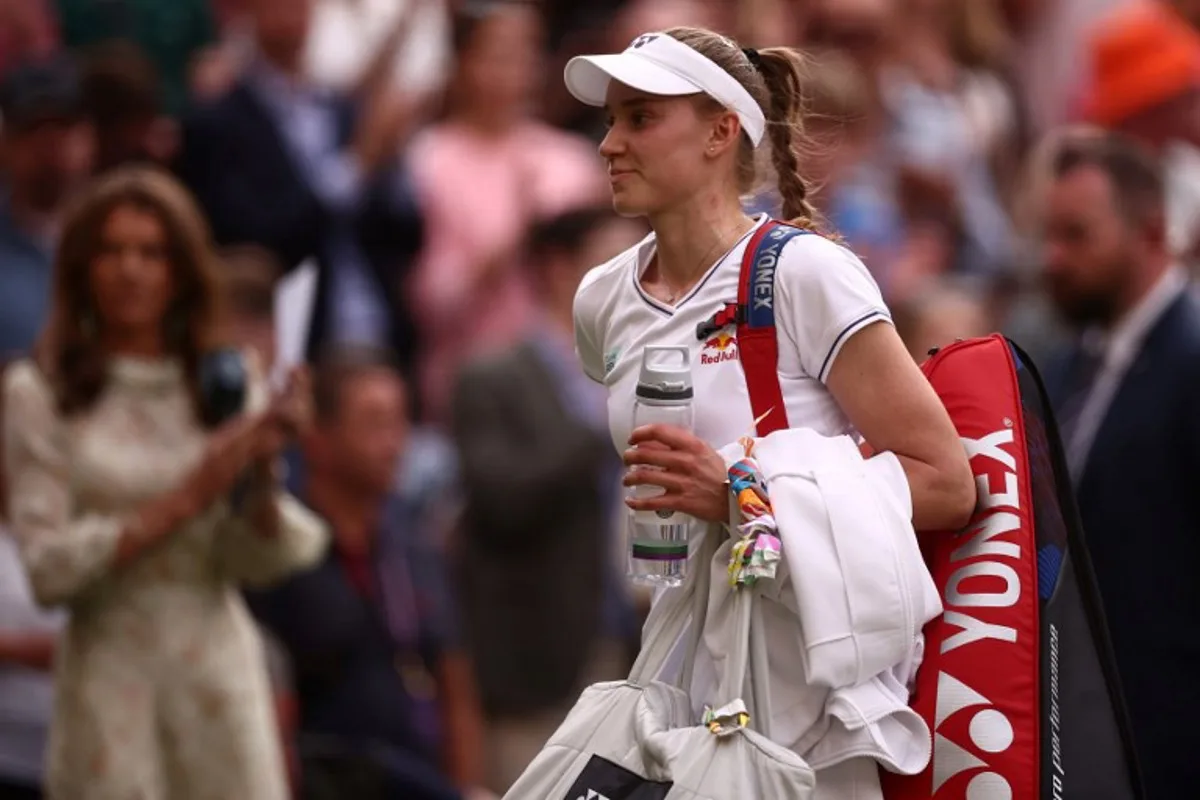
[[666, 373]]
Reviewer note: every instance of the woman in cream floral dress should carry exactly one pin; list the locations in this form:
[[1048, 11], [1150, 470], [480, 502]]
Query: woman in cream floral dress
[[118, 502]]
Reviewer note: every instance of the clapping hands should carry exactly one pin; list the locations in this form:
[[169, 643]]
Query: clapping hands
[[252, 440]]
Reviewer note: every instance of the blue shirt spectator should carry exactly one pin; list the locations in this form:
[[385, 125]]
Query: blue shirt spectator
[[47, 145], [27, 277]]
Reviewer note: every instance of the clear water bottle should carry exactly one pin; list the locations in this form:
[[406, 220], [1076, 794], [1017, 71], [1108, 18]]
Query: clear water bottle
[[658, 540]]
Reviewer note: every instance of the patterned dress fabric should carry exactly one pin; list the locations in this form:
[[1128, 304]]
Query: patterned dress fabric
[[161, 685]]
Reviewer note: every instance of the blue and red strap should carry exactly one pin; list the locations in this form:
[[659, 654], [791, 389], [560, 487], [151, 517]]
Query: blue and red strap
[[758, 344]]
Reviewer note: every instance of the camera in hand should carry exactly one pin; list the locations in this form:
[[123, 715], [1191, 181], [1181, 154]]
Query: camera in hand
[[223, 382]]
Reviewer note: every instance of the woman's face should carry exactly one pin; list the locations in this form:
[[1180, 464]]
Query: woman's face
[[655, 150], [500, 68], [131, 275]]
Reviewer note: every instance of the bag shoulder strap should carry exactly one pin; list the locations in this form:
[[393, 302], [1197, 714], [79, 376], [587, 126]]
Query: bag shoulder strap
[[758, 345]]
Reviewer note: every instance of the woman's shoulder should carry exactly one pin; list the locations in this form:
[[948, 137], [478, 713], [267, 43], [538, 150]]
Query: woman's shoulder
[[29, 403], [813, 258], [24, 379], [597, 302], [814, 249], [825, 294]]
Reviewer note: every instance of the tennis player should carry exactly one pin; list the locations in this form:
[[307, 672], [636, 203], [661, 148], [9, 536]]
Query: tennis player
[[694, 119]]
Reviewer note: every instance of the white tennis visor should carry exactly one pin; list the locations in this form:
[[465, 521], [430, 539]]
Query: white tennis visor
[[659, 64]]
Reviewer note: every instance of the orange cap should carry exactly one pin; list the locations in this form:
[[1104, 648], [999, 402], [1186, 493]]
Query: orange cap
[[1141, 56]]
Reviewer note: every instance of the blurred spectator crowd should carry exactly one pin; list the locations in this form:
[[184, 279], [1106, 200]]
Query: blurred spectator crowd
[[423, 157]]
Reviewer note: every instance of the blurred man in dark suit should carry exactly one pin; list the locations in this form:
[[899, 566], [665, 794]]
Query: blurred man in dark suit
[[311, 175], [1128, 402], [544, 610]]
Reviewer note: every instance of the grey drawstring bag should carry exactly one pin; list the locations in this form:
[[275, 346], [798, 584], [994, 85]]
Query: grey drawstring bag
[[638, 739]]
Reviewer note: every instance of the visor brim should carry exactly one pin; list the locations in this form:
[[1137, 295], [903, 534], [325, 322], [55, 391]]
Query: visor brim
[[588, 77]]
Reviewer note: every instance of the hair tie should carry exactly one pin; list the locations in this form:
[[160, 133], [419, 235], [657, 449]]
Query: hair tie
[[753, 57]]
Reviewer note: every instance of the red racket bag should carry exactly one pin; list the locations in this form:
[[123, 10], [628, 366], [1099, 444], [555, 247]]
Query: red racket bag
[[1018, 685]]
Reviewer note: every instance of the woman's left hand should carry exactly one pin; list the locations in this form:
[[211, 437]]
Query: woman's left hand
[[692, 473]]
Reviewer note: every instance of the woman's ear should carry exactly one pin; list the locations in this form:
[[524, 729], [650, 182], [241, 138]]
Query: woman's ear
[[725, 133]]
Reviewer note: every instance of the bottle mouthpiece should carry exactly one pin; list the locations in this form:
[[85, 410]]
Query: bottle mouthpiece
[[666, 373]]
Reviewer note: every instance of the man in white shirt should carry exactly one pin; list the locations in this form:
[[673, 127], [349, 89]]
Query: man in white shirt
[[1127, 406]]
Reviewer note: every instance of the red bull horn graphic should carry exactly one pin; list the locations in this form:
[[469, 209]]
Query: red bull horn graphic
[[722, 347]]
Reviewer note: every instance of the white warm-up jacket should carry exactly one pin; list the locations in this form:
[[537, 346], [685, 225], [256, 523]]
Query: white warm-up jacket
[[843, 617]]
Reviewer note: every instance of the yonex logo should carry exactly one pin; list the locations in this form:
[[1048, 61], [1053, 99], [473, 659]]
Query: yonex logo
[[644, 39], [763, 290], [592, 794], [989, 730]]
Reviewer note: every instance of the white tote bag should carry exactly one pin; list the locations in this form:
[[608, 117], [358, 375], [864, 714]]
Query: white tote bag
[[638, 740]]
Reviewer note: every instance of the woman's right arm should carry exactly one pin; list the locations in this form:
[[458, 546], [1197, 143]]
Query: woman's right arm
[[64, 553]]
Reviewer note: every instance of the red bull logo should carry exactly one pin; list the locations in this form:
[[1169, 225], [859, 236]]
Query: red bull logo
[[721, 347]]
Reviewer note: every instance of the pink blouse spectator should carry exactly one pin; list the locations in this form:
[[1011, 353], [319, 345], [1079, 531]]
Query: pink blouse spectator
[[479, 194]]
